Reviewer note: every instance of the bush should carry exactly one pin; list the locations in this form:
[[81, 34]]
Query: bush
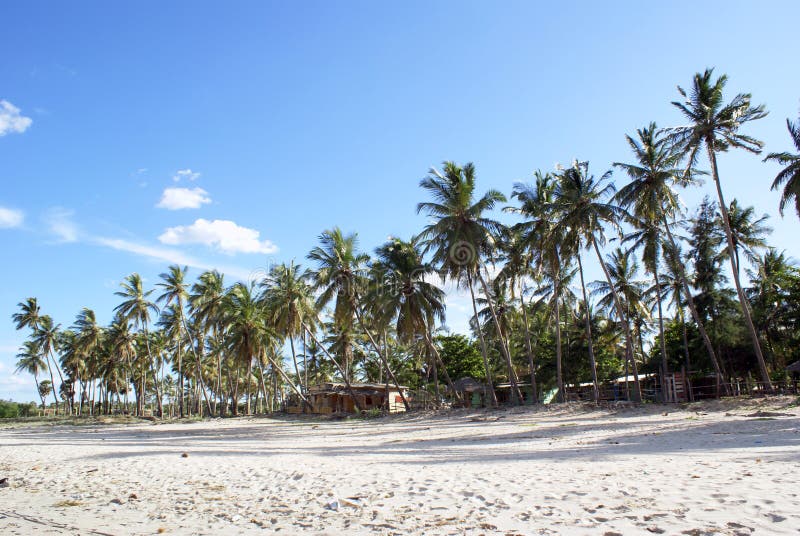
[[8, 409], [14, 410]]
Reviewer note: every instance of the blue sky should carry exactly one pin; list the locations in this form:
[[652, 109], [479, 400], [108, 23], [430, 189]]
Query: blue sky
[[277, 120]]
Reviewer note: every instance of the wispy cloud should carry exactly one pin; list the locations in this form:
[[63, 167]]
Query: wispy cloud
[[187, 174], [11, 120], [224, 235], [183, 198], [60, 224], [170, 256], [10, 218]]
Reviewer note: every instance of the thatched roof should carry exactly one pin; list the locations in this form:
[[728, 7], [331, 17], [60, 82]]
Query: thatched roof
[[468, 385], [360, 388], [794, 367]]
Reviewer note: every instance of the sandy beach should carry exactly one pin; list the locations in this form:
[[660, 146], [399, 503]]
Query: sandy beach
[[715, 468]]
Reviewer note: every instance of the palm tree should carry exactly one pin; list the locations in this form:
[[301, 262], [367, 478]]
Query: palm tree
[[653, 201], [547, 244], [289, 303], [206, 304], [30, 317], [89, 336], [31, 361], [340, 274], [581, 213], [771, 295], [137, 308], [516, 257], [175, 292], [748, 233], [623, 293], [121, 357], [249, 337], [791, 173], [459, 236], [715, 125], [46, 338], [402, 293]]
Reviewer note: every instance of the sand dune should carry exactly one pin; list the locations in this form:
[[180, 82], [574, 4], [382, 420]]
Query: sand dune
[[713, 469]]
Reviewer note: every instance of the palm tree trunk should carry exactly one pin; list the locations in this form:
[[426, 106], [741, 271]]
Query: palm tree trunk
[[294, 359], [489, 383], [516, 395], [662, 344], [438, 358], [38, 392], [247, 381], [341, 370], [693, 309], [562, 395], [380, 354], [305, 363], [181, 386], [52, 381], [762, 364], [592, 363], [628, 344], [528, 345], [263, 383], [153, 372]]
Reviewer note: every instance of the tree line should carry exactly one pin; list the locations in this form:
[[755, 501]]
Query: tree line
[[206, 347]]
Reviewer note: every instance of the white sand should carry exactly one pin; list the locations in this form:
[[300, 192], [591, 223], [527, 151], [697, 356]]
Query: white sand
[[707, 469]]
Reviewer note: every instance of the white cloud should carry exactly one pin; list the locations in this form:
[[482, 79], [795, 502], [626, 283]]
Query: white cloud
[[170, 256], [11, 120], [181, 198], [224, 235], [59, 223], [10, 217], [187, 174]]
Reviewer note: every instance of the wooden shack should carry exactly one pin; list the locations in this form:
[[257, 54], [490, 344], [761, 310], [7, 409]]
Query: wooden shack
[[330, 398], [471, 391]]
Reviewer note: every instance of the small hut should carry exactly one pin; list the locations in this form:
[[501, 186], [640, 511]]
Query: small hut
[[471, 391], [504, 396], [329, 398], [794, 372]]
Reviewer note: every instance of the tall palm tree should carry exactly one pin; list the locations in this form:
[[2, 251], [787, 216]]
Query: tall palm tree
[[790, 175], [31, 361], [517, 259], [714, 125], [206, 305], [771, 294], [46, 338], [175, 291], [137, 308], [249, 337], [749, 233], [339, 277], [550, 252], [118, 367], [582, 211], [29, 316], [89, 337], [651, 198], [622, 294], [403, 294], [289, 304], [459, 237]]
